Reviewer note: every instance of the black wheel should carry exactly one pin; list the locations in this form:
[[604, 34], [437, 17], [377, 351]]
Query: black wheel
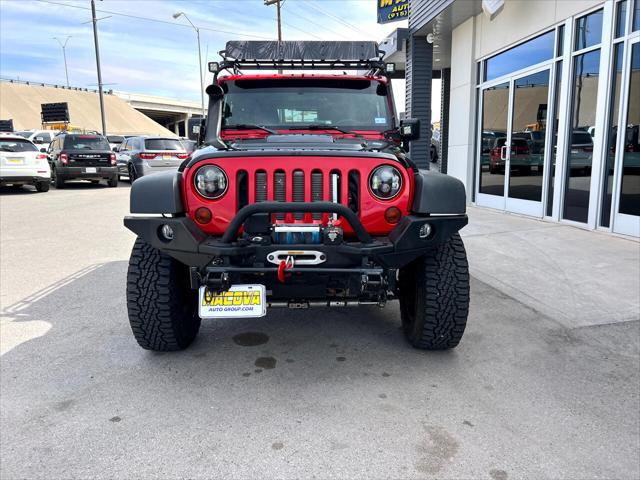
[[56, 180], [132, 173], [113, 181], [434, 297], [43, 186], [162, 308]]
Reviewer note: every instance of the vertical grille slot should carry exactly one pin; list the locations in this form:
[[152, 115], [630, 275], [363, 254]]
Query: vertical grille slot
[[335, 179], [316, 190], [354, 191], [261, 186], [242, 181], [298, 191], [280, 190]]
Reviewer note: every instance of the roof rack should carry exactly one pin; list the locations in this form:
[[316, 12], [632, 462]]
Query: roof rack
[[301, 55]]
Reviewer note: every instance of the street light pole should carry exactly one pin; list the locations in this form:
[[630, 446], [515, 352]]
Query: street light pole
[[95, 40], [64, 55], [200, 76]]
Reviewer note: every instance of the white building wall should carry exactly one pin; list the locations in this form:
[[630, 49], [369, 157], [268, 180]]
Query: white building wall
[[462, 105]]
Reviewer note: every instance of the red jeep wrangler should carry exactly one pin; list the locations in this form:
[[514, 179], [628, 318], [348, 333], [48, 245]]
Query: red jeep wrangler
[[302, 196]]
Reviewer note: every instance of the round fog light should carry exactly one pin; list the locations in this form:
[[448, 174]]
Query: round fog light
[[167, 232], [425, 230]]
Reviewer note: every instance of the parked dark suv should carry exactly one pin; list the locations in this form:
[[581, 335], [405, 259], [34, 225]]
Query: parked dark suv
[[82, 157]]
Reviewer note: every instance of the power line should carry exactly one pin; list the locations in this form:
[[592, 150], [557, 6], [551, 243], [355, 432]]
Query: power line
[[337, 19], [149, 19], [316, 24]]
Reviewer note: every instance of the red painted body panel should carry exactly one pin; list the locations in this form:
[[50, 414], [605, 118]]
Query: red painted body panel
[[371, 209]]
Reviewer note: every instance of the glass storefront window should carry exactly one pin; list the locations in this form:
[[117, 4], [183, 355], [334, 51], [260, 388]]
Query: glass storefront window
[[554, 137], [534, 51], [588, 30], [612, 134], [528, 136], [560, 41], [630, 190], [636, 17], [621, 18], [580, 150], [495, 108]]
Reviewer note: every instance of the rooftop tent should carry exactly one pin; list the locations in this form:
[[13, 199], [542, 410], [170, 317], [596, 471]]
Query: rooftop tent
[[301, 50]]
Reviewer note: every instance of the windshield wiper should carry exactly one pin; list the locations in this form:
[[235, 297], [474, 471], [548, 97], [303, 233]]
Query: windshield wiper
[[249, 126], [321, 127]]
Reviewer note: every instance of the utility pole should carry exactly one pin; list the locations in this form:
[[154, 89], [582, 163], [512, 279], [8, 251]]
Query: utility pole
[[277, 4], [64, 55], [95, 40]]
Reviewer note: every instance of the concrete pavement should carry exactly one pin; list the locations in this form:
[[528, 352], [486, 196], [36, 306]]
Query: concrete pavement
[[542, 386]]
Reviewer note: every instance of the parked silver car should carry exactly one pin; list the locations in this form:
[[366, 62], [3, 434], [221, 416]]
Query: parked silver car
[[140, 156]]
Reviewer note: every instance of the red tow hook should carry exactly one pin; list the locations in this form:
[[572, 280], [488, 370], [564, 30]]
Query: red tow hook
[[283, 267]]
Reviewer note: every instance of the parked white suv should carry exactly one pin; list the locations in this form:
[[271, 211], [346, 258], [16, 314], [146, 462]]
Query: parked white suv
[[42, 138], [21, 163]]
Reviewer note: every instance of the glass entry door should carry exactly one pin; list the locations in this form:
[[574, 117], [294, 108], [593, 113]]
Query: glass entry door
[[514, 141], [627, 205]]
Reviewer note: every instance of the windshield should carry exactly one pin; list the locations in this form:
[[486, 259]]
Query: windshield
[[15, 145], [162, 144], [286, 103], [115, 139], [86, 142], [24, 134]]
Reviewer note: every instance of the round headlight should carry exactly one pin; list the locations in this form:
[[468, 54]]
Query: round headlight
[[385, 182], [210, 181]]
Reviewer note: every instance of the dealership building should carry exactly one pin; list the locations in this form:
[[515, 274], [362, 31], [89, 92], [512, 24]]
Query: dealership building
[[540, 107]]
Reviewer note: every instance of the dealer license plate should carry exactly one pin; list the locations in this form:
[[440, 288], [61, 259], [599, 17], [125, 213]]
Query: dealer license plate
[[90, 170], [240, 301], [15, 160]]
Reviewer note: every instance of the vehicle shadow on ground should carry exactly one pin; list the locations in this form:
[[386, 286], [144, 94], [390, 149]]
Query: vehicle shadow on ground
[[73, 185]]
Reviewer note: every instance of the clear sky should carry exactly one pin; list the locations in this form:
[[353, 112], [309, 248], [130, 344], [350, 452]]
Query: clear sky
[[144, 50]]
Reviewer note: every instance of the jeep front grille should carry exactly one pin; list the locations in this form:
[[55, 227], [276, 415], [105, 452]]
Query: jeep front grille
[[339, 186]]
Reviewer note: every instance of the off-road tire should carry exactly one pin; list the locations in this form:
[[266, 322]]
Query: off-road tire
[[434, 297], [43, 186], [162, 308], [113, 182]]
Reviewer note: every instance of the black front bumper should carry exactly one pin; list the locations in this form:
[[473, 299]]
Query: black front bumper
[[228, 253]]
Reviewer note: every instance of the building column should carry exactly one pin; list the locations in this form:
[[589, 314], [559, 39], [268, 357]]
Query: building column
[[418, 77], [443, 150]]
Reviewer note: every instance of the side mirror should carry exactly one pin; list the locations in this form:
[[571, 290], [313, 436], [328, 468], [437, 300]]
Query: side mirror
[[410, 129], [43, 150]]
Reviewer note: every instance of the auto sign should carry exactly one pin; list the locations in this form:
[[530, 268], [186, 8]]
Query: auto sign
[[392, 10]]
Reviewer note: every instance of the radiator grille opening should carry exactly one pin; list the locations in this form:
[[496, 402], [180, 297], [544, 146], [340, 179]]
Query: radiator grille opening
[[280, 189], [261, 186], [298, 191], [354, 191], [242, 180], [317, 184]]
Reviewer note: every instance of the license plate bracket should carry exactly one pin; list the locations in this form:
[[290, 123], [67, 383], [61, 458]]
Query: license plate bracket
[[239, 301]]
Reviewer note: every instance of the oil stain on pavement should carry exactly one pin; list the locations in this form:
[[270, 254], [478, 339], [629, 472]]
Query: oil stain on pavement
[[266, 363], [251, 339]]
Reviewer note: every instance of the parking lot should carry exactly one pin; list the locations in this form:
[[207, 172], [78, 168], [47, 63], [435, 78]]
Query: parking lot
[[538, 388]]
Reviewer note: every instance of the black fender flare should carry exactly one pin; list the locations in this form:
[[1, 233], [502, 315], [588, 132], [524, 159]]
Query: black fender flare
[[159, 193], [438, 194]]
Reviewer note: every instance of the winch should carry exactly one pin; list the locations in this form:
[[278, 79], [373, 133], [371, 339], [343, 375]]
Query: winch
[[313, 234]]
